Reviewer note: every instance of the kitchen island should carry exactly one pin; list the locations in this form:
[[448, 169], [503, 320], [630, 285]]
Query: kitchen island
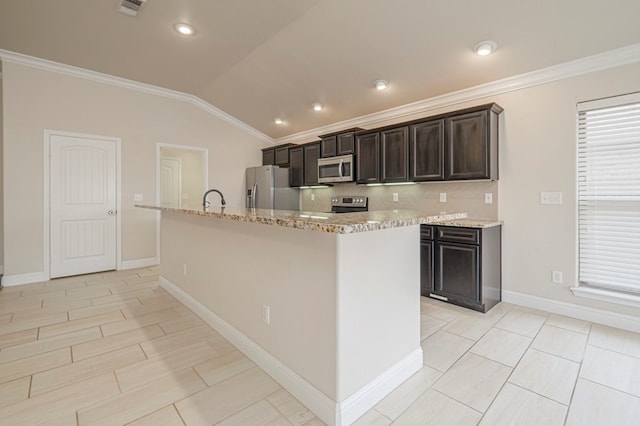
[[327, 304]]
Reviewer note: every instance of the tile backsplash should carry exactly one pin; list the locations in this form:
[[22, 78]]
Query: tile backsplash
[[461, 197]]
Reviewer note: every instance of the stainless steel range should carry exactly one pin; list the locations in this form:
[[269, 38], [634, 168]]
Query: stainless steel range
[[349, 204]]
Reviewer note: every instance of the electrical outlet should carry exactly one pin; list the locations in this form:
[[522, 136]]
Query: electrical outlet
[[185, 196], [313, 197], [138, 197], [395, 197], [266, 314], [488, 198], [556, 277], [443, 197], [184, 269], [551, 198]]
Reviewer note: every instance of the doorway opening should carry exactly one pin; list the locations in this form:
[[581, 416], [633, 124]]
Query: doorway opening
[[182, 177]]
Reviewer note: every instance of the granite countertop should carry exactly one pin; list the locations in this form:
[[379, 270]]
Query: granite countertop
[[471, 223], [339, 223]]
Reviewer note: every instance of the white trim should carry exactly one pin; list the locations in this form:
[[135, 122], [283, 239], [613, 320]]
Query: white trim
[[376, 390], [205, 183], [605, 295], [610, 59], [629, 98], [19, 279], [46, 200], [329, 411], [139, 263], [44, 64], [611, 319]]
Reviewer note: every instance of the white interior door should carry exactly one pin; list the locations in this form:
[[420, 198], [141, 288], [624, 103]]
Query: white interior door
[[171, 182], [83, 232]]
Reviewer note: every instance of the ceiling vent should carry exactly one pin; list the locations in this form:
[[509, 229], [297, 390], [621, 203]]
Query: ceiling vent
[[130, 7]]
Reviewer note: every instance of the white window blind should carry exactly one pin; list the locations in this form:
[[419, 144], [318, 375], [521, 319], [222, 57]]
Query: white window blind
[[609, 193]]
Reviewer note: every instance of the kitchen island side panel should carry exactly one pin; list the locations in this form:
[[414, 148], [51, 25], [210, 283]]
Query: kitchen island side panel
[[234, 268], [378, 304]]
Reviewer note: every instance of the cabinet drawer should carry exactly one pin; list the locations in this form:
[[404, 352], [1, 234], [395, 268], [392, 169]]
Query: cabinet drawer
[[426, 232], [459, 235]]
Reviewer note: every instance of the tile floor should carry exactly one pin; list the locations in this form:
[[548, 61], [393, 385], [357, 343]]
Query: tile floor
[[115, 348]]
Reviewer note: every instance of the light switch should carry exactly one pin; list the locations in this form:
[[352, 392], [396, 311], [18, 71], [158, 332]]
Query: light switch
[[395, 197], [488, 198], [551, 198], [138, 197], [443, 197]]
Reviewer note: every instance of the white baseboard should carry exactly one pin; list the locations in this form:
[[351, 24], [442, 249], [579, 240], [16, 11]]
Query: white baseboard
[[599, 316], [368, 396], [329, 411], [19, 279], [139, 263]]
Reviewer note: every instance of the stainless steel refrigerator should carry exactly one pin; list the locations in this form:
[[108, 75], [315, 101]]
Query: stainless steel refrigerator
[[268, 188]]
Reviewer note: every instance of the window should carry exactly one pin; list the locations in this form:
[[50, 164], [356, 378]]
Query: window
[[609, 193]]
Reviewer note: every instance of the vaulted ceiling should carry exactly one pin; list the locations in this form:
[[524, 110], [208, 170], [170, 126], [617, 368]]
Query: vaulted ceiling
[[261, 59]]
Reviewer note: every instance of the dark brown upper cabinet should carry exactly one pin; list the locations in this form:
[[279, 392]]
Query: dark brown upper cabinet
[[471, 145], [296, 166], [427, 151], [282, 155], [329, 148], [268, 157], [394, 150], [346, 143], [339, 143], [368, 158], [311, 156]]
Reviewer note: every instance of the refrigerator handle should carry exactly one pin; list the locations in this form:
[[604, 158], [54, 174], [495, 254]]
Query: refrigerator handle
[[253, 195]]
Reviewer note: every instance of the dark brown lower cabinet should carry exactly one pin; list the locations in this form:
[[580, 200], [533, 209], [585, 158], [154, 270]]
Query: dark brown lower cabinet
[[426, 260], [466, 266]]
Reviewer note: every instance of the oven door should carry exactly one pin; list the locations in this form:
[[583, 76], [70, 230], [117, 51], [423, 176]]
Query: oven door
[[335, 169]]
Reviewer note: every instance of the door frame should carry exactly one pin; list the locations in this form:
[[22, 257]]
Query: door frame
[[205, 182], [46, 192]]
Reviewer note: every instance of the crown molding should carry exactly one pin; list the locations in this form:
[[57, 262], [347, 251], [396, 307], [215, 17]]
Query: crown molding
[[610, 59], [47, 65]]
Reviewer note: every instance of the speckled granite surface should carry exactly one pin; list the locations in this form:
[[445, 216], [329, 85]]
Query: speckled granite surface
[[471, 223], [344, 223]]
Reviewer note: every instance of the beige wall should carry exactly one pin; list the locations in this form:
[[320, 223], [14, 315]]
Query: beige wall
[[537, 153], [192, 175], [35, 100]]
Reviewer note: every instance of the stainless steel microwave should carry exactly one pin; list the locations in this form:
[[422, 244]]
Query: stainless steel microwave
[[335, 169]]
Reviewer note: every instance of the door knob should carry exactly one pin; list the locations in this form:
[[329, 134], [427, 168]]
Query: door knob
[[111, 212]]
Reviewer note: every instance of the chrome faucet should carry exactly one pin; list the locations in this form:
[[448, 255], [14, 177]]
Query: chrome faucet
[[206, 204]]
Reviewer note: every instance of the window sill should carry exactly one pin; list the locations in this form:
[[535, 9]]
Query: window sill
[[605, 295]]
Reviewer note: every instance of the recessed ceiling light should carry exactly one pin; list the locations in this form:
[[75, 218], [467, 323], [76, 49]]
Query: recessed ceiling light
[[184, 29], [485, 47], [317, 106], [381, 84], [278, 121]]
